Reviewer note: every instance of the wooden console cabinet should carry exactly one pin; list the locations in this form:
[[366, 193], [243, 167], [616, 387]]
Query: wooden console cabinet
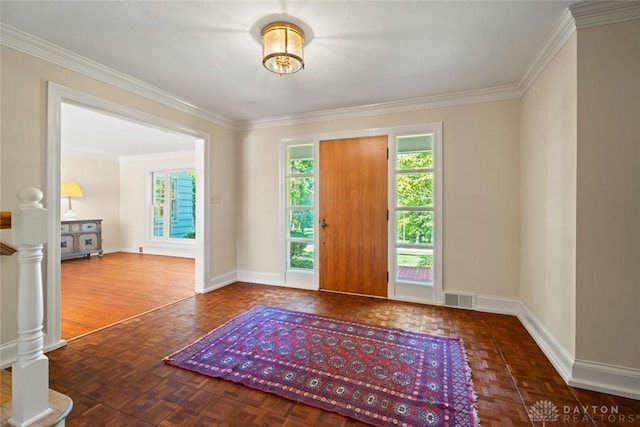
[[80, 238]]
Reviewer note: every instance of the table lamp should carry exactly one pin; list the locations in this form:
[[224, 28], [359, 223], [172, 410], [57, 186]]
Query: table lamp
[[70, 189]]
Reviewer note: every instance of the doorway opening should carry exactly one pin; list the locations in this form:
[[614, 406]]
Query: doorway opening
[[125, 207]]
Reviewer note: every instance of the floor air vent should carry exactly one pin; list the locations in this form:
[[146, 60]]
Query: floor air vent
[[459, 300]]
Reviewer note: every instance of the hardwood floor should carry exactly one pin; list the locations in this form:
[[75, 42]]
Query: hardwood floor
[[100, 291], [116, 376]]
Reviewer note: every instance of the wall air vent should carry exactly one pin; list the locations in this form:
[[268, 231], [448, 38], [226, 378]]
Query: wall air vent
[[459, 300]]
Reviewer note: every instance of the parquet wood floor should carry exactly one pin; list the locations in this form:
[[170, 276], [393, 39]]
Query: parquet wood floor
[[116, 376], [100, 291]]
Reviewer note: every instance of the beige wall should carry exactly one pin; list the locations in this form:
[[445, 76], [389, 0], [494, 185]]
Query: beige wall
[[23, 137], [99, 180], [608, 195], [135, 193], [542, 196], [548, 196], [481, 192]]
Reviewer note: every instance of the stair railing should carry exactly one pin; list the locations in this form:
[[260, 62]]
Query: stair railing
[[30, 372]]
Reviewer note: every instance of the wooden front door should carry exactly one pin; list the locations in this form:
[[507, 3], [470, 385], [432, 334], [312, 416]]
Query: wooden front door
[[353, 215]]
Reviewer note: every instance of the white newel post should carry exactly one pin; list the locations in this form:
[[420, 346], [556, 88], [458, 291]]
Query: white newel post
[[30, 380]]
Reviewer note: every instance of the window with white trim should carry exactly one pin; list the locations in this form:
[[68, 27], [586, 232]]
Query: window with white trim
[[300, 200], [414, 210], [173, 204]]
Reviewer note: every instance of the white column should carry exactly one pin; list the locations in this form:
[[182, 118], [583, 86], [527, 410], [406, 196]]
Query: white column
[[30, 380]]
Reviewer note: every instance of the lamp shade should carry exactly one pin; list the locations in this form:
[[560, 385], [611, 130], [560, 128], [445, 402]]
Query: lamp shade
[[282, 48], [70, 189]]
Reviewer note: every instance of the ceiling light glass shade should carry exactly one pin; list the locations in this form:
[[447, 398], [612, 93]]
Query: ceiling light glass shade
[[282, 48]]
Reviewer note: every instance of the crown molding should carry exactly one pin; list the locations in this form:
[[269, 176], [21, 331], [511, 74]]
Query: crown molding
[[563, 30], [26, 43], [593, 13], [580, 15], [42, 49], [445, 100]]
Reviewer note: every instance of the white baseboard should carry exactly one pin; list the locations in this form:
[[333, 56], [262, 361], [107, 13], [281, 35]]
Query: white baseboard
[[112, 251], [556, 352], [415, 300], [604, 378], [177, 251], [221, 281], [260, 278], [498, 305], [306, 287], [617, 380], [270, 279], [182, 250]]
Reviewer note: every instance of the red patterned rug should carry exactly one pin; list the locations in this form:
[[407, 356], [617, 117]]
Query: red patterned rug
[[380, 376]]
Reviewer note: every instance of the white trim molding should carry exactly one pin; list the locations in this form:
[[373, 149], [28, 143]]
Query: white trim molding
[[601, 377], [434, 101], [616, 380], [497, 305], [56, 95], [260, 277], [42, 49], [559, 356], [221, 281], [563, 30], [593, 13], [271, 279], [179, 249], [580, 15]]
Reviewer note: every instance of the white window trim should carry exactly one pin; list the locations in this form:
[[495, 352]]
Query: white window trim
[[299, 278], [406, 290], [165, 238], [402, 291]]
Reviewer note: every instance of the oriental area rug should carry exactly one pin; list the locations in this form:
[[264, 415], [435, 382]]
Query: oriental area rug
[[377, 375]]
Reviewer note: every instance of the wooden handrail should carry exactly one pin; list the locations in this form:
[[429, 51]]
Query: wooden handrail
[[5, 220], [7, 249], [5, 223]]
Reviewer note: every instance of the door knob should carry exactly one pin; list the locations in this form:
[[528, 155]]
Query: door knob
[[324, 224]]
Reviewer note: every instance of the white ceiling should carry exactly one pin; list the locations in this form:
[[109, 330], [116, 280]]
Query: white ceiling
[[358, 53], [87, 132]]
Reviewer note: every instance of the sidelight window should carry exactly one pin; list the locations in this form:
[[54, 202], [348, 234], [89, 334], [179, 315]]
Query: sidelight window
[[414, 208], [300, 195]]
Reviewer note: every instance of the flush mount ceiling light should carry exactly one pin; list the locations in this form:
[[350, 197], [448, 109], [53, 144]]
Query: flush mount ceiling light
[[282, 48]]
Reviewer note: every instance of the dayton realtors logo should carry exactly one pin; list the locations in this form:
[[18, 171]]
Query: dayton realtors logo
[[546, 411]]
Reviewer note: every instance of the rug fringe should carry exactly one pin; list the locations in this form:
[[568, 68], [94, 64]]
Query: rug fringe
[[474, 395]]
